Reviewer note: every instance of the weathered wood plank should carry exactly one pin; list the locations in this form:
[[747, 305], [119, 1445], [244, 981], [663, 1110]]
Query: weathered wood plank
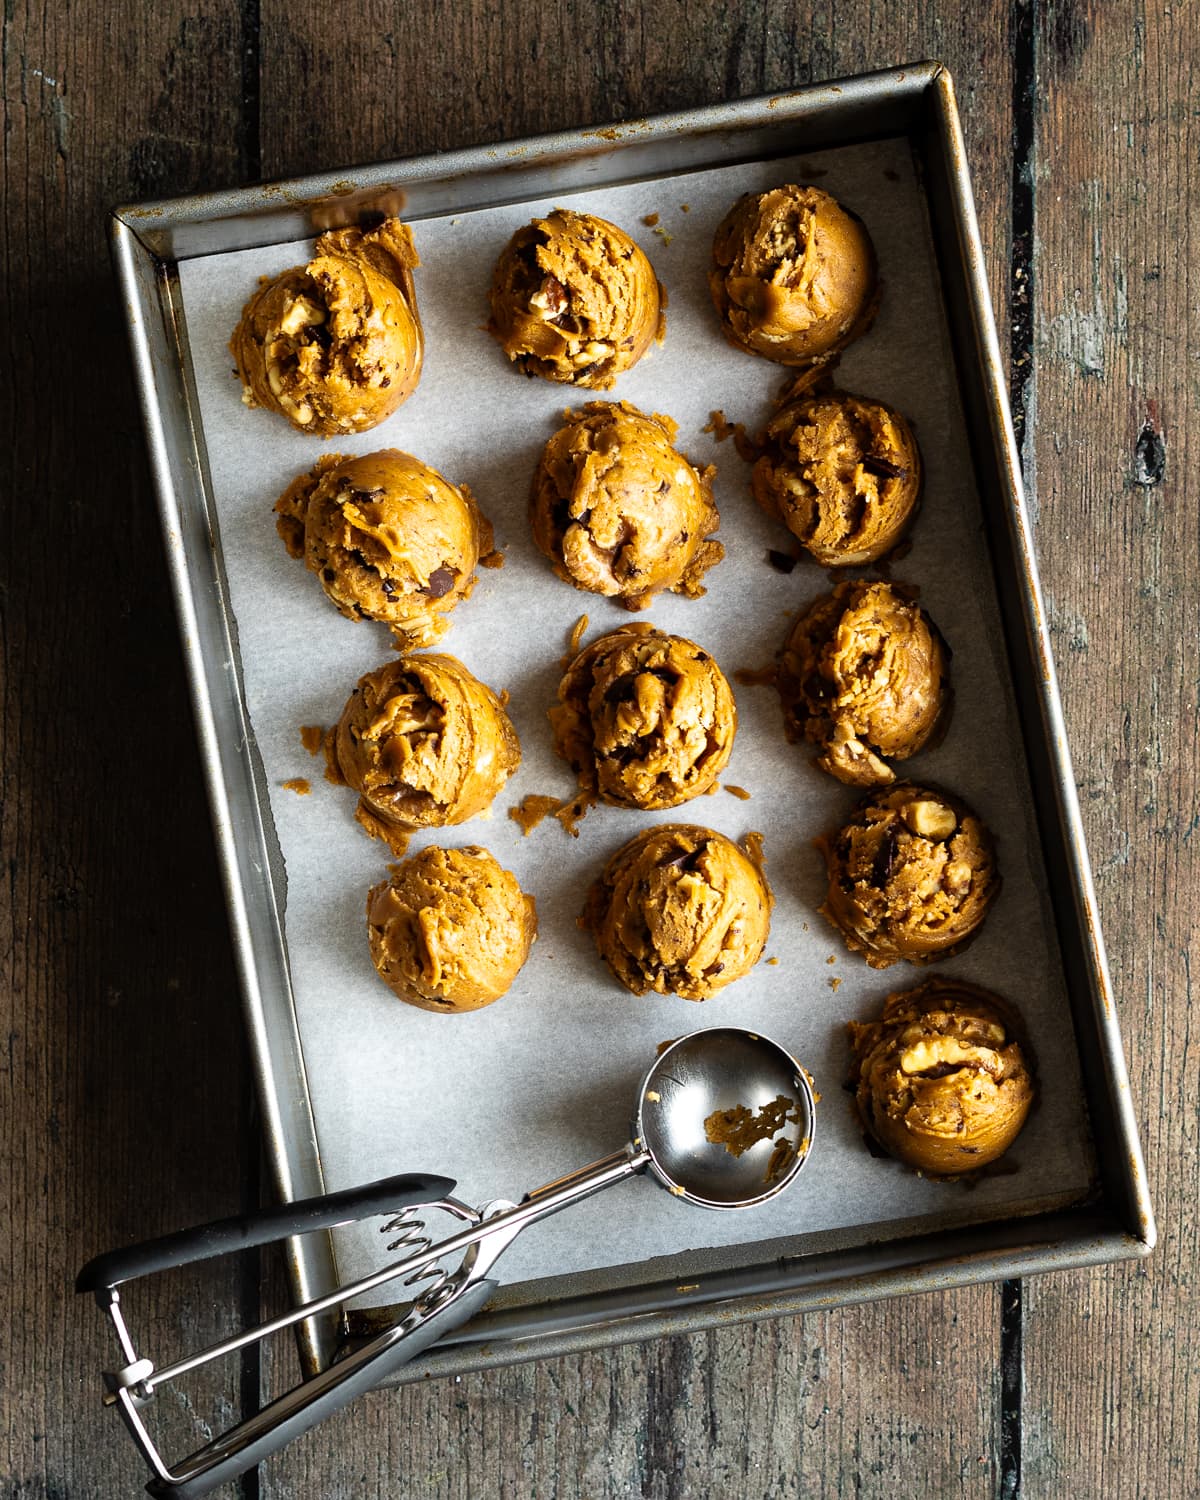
[[123, 1089], [1112, 1378], [899, 1397]]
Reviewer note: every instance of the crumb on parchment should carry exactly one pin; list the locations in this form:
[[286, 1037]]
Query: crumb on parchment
[[756, 676], [530, 811]]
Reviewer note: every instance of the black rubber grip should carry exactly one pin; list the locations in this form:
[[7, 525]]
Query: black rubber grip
[[245, 1231], [289, 1416]]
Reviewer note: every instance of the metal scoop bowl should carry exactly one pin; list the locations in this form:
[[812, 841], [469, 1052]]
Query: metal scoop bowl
[[724, 1120], [683, 1118]]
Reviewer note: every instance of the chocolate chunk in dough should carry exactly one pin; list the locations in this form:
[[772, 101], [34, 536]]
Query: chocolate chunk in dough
[[574, 299], [842, 473], [864, 676], [450, 930], [911, 875], [388, 537], [646, 719], [680, 910], [943, 1080], [424, 744], [618, 511], [793, 275], [335, 346]]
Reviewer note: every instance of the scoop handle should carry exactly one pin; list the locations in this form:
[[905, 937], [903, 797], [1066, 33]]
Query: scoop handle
[[309, 1404], [388, 1195]]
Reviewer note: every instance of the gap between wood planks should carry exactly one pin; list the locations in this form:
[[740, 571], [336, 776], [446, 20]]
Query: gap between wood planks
[[250, 1288], [1023, 401]]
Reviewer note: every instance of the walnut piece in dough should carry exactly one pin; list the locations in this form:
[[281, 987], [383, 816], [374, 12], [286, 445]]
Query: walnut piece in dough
[[911, 875], [842, 473], [680, 910], [424, 744], [645, 719], [864, 675], [943, 1080], [618, 511], [389, 538], [793, 275], [335, 346], [450, 930], [574, 299]]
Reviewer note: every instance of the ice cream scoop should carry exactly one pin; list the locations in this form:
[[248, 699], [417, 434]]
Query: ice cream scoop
[[450, 929], [389, 538], [863, 675], [619, 511], [911, 875], [424, 744], [793, 275], [645, 719], [335, 345], [943, 1079], [574, 299], [709, 1079], [681, 910], [842, 473]]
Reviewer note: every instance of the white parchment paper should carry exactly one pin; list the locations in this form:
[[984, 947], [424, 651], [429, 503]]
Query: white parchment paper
[[543, 1081]]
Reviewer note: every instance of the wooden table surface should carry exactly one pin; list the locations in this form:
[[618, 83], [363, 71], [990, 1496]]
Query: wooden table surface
[[125, 1091]]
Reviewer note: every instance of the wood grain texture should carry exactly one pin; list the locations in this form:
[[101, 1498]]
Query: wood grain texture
[[123, 1090], [894, 1399], [1112, 1375], [870, 1401]]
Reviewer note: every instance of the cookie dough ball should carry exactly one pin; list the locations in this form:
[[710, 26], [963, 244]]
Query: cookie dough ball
[[618, 511], [681, 910], [645, 719], [388, 537], [942, 1080], [335, 345], [842, 473], [450, 929], [911, 875], [424, 744], [793, 275], [574, 299], [863, 675]]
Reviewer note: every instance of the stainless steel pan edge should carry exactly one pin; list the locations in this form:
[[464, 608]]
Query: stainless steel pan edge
[[244, 854], [1051, 775], [148, 240]]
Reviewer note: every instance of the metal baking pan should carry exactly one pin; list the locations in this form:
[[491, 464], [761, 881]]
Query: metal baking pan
[[150, 241]]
